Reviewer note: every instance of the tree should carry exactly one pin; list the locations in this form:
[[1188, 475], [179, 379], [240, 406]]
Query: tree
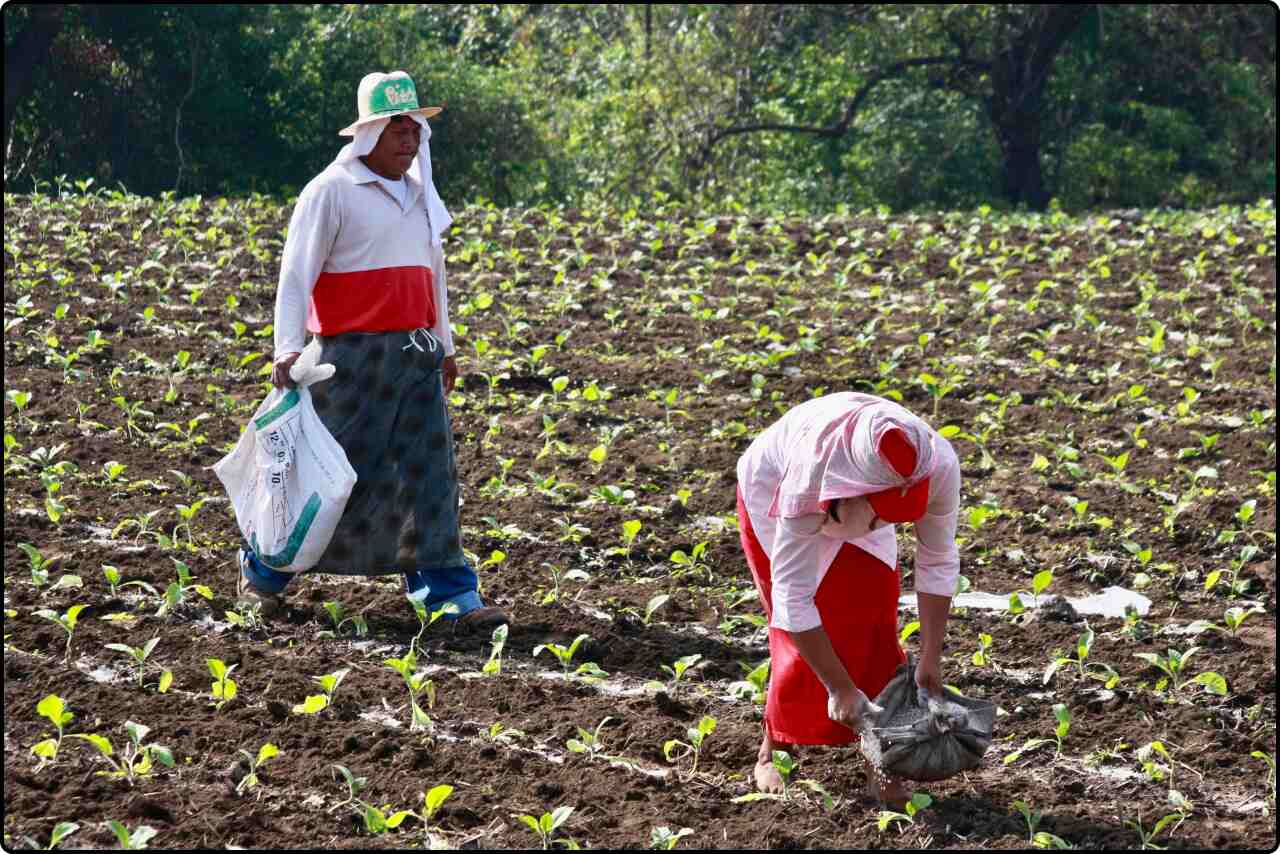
[[1002, 56], [26, 54]]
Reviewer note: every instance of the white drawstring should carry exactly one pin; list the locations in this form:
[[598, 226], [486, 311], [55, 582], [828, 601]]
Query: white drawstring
[[413, 340]]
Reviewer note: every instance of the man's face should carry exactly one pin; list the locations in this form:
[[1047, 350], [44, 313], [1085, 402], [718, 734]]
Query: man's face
[[393, 154]]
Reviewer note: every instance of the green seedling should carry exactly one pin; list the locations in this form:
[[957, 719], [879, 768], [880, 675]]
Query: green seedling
[[1083, 647], [223, 688], [1232, 619], [919, 801], [1039, 583], [493, 666], [136, 759], [52, 708], [653, 605], [1144, 837], [426, 620], [502, 734], [559, 574], [21, 400], [588, 743], [38, 563], [1270, 760], [755, 685], [982, 656], [355, 785], [630, 530], [697, 735], [692, 562], [679, 668], [1027, 746], [138, 653], [132, 840], [66, 620], [418, 684], [784, 764], [61, 831], [142, 522], [547, 824], [329, 683], [178, 591], [664, 839], [1043, 839], [1032, 818], [1146, 756], [1174, 667], [249, 780], [338, 615], [1063, 715], [562, 653]]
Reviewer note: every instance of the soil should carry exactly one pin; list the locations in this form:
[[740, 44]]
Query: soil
[[624, 290]]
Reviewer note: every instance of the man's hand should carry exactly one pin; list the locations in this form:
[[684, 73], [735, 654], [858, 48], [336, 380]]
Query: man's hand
[[280, 371], [851, 708], [450, 369]]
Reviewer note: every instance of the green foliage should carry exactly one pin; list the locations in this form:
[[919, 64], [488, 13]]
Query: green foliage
[[578, 104]]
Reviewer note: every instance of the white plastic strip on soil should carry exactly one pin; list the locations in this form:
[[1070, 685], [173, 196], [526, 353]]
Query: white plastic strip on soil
[[1112, 602]]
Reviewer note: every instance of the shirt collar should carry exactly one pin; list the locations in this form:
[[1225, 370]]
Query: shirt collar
[[362, 174]]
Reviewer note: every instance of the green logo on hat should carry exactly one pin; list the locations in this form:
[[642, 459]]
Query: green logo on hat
[[394, 95]]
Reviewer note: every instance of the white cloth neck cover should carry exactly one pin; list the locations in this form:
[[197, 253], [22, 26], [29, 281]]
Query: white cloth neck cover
[[367, 137]]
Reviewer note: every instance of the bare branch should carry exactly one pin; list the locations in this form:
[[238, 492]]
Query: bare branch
[[841, 127]]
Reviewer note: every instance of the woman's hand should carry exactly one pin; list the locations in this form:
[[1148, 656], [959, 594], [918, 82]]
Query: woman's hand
[[929, 675], [851, 708]]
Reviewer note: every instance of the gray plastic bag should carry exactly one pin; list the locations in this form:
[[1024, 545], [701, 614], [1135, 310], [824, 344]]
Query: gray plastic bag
[[922, 737]]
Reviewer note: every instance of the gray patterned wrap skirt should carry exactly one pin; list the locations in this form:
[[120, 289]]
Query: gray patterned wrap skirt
[[385, 404]]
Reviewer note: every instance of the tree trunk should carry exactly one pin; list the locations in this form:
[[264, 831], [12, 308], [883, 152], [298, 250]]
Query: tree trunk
[[1018, 78], [26, 55]]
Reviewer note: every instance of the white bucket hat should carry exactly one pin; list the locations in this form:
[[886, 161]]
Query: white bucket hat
[[381, 96]]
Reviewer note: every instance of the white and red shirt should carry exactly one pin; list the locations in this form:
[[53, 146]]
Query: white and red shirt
[[802, 548], [357, 259]]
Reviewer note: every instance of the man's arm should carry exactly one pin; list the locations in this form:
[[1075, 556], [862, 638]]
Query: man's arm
[[313, 228], [441, 330]]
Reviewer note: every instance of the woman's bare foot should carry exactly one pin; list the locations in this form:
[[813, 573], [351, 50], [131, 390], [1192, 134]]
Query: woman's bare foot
[[893, 792], [767, 777]]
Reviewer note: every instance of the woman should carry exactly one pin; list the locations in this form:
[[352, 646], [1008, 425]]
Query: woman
[[819, 493]]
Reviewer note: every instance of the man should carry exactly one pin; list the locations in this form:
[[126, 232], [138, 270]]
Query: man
[[363, 269], [819, 492]]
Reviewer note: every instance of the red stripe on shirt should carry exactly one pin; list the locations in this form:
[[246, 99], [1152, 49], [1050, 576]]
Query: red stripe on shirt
[[384, 300]]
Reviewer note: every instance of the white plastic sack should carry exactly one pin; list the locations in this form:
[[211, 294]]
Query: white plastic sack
[[287, 477]]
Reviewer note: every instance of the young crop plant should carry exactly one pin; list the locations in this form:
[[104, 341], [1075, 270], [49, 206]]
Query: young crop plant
[[250, 779], [136, 758], [697, 735], [919, 801], [1039, 583], [67, 621], [1174, 668], [53, 708], [562, 653], [755, 686], [630, 530], [139, 655], [316, 703], [651, 607], [785, 765], [418, 684], [38, 563], [132, 840], [178, 591], [338, 615], [1083, 647], [546, 825], [61, 831], [692, 562], [223, 689], [1233, 618], [665, 839], [559, 574], [677, 670], [493, 666], [588, 743], [426, 620]]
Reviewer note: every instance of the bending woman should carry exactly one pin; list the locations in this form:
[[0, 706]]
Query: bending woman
[[819, 493]]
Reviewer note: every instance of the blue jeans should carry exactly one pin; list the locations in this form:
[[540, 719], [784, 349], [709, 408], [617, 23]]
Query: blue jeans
[[433, 587]]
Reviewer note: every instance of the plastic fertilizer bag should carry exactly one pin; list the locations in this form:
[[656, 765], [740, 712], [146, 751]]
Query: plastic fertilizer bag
[[287, 477], [922, 737]]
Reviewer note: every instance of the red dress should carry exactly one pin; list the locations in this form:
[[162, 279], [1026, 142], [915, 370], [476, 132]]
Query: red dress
[[858, 604]]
